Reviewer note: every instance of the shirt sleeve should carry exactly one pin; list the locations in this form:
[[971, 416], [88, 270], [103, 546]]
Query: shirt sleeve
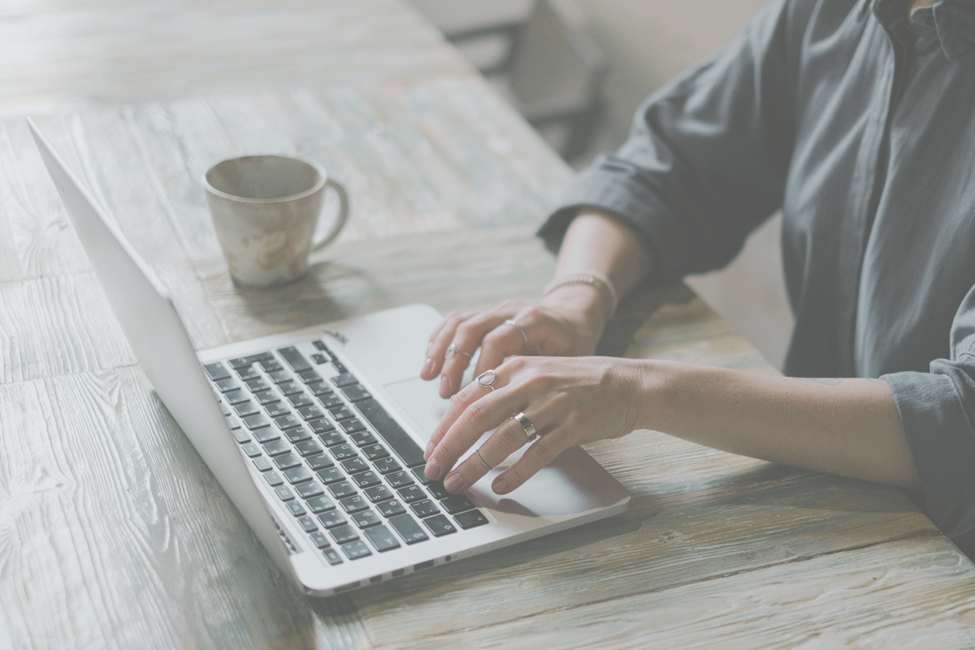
[[937, 411], [707, 156]]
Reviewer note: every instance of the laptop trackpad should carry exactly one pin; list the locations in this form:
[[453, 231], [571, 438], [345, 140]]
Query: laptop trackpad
[[421, 402]]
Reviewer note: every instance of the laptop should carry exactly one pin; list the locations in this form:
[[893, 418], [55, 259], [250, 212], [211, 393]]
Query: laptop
[[317, 435]]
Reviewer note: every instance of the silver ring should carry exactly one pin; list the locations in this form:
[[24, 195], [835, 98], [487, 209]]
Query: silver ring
[[477, 452], [526, 424], [519, 328], [483, 383], [452, 349]]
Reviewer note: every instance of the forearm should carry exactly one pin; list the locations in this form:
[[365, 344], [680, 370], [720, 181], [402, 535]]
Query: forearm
[[848, 427]]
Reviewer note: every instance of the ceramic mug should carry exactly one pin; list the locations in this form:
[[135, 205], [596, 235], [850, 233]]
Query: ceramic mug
[[265, 210]]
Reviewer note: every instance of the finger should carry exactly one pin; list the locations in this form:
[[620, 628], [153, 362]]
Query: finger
[[497, 345], [467, 339], [439, 341], [542, 452], [508, 438]]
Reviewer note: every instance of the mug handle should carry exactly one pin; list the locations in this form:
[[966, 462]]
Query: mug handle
[[340, 219]]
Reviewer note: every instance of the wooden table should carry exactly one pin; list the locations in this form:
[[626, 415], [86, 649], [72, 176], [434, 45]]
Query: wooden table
[[112, 531]]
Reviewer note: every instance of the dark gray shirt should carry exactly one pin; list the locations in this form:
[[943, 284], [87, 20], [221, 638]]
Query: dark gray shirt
[[860, 126]]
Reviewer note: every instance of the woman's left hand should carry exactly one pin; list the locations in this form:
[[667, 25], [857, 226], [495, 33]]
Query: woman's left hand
[[569, 401]]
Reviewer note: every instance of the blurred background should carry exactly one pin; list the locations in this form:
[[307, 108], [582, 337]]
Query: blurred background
[[578, 69]]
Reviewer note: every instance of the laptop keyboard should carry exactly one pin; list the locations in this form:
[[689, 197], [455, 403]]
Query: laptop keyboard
[[349, 474]]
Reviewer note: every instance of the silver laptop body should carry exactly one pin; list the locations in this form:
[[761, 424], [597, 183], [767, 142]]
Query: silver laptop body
[[364, 369]]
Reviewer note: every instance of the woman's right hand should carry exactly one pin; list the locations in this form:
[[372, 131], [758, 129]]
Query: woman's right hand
[[568, 322]]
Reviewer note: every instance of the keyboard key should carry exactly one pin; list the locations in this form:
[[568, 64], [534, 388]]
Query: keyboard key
[[298, 435], [308, 448], [330, 475], [294, 358], [339, 368], [273, 479], [319, 461], [320, 345], [320, 359], [332, 518], [343, 534], [277, 447], [366, 479], [382, 538], [246, 409], [266, 397], [421, 476], [319, 539], [408, 529], [236, 396], [256, 422], [438, 491], [331, 438], [262, 464], [241, 436], [247, 373], [352, 425], [298, 475], [296, 508], [216, 371], [410, 494], [321, 426], [274, 409], [257, 385], [239, 362], [227, 384], [320, 388], [284, 493], [341, 490], [354, 466], [309, 490], [341, 412], [439, 526], [387, 466], [356, 393], [260, 356], [391, 508], [362, 438], [375, 452], [290, 388], [251, 449], [311, 413], [320, 504], [355, 550], [425, 508], [379, 493], [344, 379], [310, 377], [287, 461], [354, 504], [271, 364], [400, 479], [331, 400], [332, 556], [470, 519], [395, 436], [300, 400], [343, 452], [456, 503], [365, 519], [308, 524], [289, 421], [224, 410], [267, 434]]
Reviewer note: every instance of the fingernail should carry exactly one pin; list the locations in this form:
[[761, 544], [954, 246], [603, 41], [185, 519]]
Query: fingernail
[[500, 485], [426, 453], [427, 366], [433, 469], [453, 483], [444, 385]]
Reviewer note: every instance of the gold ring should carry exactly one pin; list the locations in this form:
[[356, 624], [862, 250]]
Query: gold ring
[[526, 424]]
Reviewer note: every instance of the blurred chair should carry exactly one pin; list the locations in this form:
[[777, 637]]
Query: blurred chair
[[538, 55]]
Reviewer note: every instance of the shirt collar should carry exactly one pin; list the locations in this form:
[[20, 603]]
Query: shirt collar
[[951, 23]]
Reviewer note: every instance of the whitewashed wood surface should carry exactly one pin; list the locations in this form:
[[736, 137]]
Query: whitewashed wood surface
[[113, 534]]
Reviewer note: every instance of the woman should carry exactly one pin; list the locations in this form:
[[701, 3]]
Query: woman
[[854, 118]]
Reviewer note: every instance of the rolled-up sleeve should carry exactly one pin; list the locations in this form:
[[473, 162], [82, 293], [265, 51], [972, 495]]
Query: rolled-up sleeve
[[707, 158], [937, 411]]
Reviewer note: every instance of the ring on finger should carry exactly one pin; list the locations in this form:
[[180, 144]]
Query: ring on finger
[[487, 378], [530, 432], [477, 452], [453, 349], [518, 327]]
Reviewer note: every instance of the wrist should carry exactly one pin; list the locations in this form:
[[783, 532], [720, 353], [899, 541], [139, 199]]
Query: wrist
[[579, 301]]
